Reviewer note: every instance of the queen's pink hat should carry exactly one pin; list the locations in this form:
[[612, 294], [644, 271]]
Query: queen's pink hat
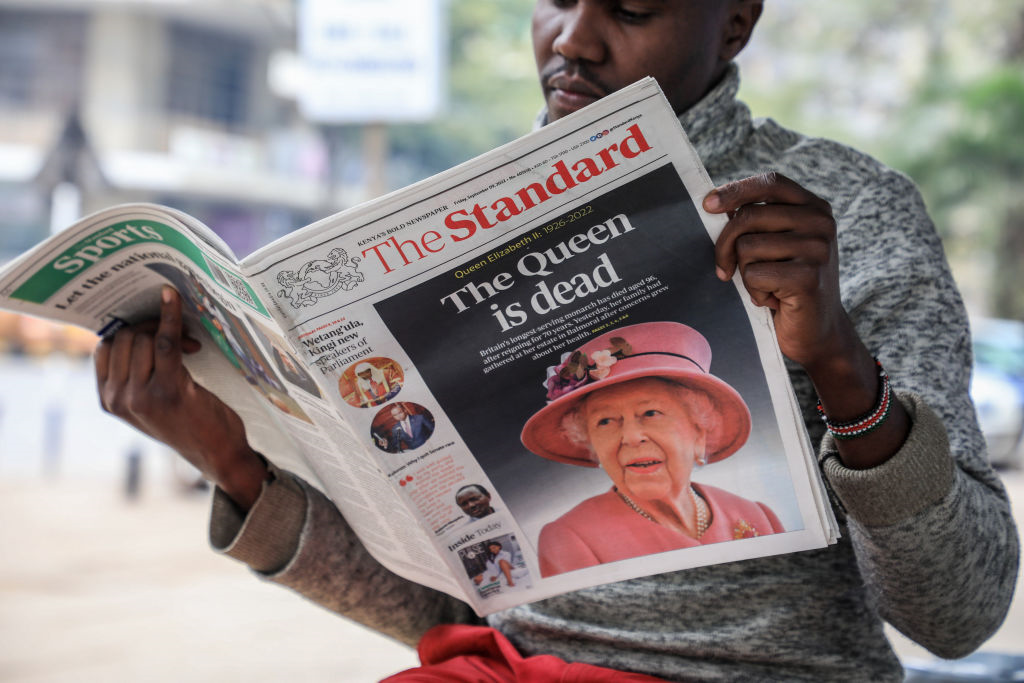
[[669, 350]]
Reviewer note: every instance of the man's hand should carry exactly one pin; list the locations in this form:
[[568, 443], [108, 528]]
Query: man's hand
[[782, 239], [141, 379]]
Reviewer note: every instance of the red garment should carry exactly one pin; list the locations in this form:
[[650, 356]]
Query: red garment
[[605, 529], [457, 653]]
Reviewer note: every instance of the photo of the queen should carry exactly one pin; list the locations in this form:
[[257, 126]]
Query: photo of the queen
[[640, 403]]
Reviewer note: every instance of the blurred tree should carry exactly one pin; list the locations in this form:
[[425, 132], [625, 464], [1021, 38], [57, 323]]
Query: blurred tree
[[934, 88], [972, 163]]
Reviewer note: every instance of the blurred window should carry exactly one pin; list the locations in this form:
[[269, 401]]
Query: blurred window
[[210, 74], [41, 55]]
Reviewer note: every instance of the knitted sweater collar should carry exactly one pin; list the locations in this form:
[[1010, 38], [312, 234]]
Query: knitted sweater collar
[[719, 123]]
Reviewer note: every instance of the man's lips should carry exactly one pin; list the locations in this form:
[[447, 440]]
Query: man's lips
[[573, 92], [575, 85]]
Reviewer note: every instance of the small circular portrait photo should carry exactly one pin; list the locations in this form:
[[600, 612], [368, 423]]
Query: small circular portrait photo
[[371, 382], [401, 426]]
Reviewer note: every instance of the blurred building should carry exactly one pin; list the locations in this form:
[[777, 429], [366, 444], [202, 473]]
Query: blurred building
[[110, 101]]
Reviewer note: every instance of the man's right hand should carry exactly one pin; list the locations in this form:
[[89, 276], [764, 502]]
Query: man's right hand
[[142, 380]]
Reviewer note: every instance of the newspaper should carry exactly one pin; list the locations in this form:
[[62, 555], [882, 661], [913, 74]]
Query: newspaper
[[409, 357]]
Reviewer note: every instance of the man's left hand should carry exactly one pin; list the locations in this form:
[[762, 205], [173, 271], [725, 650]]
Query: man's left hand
[[782, 238]]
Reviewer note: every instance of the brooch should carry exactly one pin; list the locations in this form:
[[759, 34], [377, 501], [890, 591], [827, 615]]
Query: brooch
[[743, 529]]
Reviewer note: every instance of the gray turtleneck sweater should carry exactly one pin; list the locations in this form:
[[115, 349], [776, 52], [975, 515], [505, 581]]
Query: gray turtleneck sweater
[[928, 543]]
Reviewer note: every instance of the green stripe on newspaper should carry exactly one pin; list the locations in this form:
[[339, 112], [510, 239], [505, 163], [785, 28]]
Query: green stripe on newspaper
[[101, 247]]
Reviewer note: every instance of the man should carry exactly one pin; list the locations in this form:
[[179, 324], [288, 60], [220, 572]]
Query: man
[[409, 431], [842, 252], [475, 501], [372, 386]]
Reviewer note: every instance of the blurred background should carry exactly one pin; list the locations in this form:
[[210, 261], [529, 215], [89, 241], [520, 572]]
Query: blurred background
[[260, 116]]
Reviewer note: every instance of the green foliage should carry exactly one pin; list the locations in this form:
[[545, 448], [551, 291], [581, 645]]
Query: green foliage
[[934, 88], [976, 143], [972, 171]]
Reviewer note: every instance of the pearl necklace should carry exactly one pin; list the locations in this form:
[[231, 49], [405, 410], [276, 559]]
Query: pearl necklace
[[698, 503]]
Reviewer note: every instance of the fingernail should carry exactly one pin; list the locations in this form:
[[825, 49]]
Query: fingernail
[[165, 294], [712, 202], [721, 273]]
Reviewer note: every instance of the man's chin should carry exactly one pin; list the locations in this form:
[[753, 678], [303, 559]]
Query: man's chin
[[553, 113]]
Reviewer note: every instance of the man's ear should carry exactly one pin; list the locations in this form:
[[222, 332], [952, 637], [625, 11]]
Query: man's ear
[[739, 25]]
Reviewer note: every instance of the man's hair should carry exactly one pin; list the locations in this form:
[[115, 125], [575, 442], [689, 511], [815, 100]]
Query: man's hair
[[467, 487], [698, 405]]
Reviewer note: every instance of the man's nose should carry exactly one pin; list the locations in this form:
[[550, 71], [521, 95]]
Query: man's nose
[[580, 37]]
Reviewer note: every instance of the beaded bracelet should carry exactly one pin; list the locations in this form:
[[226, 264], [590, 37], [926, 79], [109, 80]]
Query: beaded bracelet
[[868, 422]]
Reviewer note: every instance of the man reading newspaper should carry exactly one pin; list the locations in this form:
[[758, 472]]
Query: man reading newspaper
[[841, 250]]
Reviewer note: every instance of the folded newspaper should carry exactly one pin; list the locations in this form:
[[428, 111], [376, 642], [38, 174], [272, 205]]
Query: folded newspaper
[[515, 379]]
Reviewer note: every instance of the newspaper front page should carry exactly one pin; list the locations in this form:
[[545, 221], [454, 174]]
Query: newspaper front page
[[440, 314]]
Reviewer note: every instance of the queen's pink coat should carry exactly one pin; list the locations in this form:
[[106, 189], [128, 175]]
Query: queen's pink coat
[[605, 529]]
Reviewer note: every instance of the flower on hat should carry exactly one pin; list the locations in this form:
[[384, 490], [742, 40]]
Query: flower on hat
[[567, 375], [577, 369], [555, 369], [603, 362]]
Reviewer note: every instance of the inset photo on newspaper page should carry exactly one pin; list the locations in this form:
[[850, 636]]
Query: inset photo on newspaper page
[[288, 365], [370, 382], [596, 367], [231, 335], [401, 426], [496, 565]]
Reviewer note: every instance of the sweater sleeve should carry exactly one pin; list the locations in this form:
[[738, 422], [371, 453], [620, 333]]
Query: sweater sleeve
[[931, 527], [295, 536]]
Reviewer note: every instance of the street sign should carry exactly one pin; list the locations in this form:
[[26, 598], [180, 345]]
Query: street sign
[[370, 60]]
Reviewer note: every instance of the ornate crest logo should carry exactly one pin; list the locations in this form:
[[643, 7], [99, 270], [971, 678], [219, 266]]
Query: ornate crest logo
[[319, 278]]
